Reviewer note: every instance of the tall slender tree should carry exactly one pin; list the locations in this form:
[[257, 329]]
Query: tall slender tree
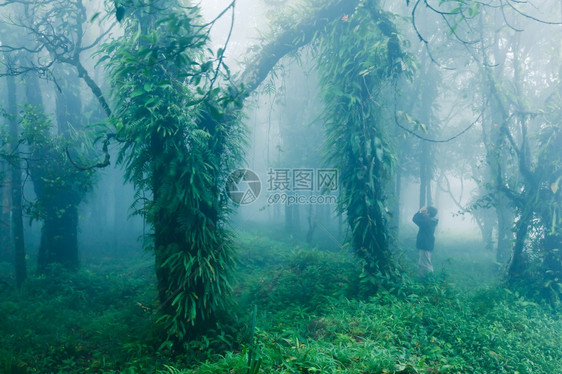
[[16, 181]]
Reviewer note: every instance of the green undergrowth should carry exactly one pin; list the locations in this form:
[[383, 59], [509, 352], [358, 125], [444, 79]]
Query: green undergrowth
[[98, 319], [431, 330], [295, 309]]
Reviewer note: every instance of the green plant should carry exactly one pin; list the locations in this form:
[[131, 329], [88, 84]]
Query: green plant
[[179, 140], [358, 56]]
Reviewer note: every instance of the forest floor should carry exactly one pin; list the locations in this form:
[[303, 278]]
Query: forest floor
[[312, 313]]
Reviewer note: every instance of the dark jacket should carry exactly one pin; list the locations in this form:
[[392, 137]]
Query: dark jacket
[[426, 234]]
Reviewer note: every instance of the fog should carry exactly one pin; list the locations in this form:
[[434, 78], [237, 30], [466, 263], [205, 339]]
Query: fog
[[288, 103], [236, 155]]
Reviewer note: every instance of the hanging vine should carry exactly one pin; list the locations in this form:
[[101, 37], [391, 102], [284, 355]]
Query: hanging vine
[[179, 139], [358, 56]]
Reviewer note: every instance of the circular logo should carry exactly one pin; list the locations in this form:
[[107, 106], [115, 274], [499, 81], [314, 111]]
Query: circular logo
[[243, 186]]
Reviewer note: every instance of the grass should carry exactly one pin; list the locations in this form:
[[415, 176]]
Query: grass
[[310, 319]]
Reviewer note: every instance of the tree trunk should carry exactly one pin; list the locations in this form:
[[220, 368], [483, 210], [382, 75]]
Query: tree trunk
[[428, 94], [5, 222], [505, 229], [59, 233], [312, 217], [289, 221], [396, 203], [68, 106], [425, 176], [59, 238], [33, 91], [518, 263], [17, 215]]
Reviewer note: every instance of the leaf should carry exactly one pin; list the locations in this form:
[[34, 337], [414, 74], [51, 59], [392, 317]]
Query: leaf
[[137, 93], [554, 186]]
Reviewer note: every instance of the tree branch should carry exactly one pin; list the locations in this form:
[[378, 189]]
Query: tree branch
[[292, 39]]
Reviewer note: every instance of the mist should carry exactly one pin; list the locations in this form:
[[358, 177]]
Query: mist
[[280, 186]]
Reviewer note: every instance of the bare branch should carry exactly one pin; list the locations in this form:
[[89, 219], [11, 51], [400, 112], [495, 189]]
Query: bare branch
[[397, 122], [509, 2], [99, 38]]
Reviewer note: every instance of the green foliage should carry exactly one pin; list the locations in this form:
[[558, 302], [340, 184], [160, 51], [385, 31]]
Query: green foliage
[[297, 275], [59, 184], [179, 142], [543, 275], [433, 329], [99, 320], [353, 60]]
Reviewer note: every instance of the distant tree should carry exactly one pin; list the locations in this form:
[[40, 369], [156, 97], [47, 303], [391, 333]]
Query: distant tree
[[521, 127], [46, 40], [12, 155], [59, 186]]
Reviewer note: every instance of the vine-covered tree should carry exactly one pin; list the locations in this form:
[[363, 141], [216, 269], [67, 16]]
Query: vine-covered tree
[[356, 63], [178, 143]]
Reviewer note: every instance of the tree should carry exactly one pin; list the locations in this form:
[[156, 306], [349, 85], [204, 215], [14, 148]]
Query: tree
[[520, 116], [51, 40], [358, 52], [179, 140], [59, 187], [16, 183], [354, 71]]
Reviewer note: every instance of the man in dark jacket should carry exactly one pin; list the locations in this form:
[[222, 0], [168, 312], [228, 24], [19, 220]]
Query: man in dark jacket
[[426, 220]]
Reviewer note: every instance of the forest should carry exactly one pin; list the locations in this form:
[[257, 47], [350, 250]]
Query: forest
[[280, 186]]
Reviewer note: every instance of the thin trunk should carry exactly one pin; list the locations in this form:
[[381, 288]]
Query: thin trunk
[[5, 225], [505, 229], [289, 225], [17, 215], [423, 179], [33, 91], [68, 106], [518, 263], [428, 198], [425, 175]]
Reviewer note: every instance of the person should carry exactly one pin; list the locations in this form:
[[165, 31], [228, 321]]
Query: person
[[427, 221]]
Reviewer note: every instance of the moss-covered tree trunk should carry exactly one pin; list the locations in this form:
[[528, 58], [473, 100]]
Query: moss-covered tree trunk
[[178, 145], [354, 71]]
